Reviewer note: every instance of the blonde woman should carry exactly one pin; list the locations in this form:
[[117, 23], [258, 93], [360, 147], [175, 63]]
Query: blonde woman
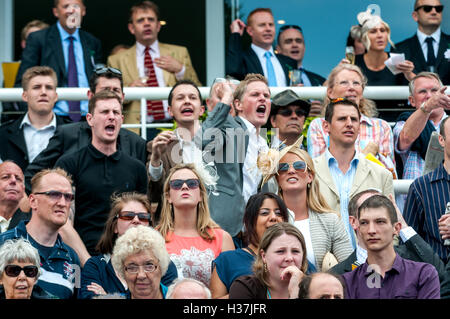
[[193, 239]]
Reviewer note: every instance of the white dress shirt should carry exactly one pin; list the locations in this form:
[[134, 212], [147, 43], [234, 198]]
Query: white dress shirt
[[279, 72], [36, 139]]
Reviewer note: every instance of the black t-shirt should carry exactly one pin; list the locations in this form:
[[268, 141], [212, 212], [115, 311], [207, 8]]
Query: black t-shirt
[[96, 177]]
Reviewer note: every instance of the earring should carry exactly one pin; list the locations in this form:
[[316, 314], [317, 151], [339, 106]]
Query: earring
[[265, 268], [309, 185]]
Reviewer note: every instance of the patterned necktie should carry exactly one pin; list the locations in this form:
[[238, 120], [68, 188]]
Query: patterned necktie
[[72, 81], [431, 58], [154, 108], [270, 70]]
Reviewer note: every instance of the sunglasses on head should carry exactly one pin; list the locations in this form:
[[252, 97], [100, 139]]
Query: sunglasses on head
[[177, 184], [103, 69], [288, 112], [55, 195], [14, 271], [297, 165], [428, 8], [291, 26], [128, 215]]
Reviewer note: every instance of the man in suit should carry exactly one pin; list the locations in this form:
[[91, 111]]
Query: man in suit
[[412, 246], [23, 139], [151, 63], [73, 136], [233, 144], [290, 42], [341, 171], [428, 47], [67, 50], [260, 57]]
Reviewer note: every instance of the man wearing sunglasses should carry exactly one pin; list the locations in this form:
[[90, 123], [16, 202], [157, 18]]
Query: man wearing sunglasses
[[341, 170], [428, 49], [288, 113], [50, 204], [72, 52]]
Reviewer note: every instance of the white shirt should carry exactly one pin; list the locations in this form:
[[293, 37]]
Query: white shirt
[[154, 53], [436, 35], [279, 72], [303, 226], [251, 173], [4, 223], [36, 139]]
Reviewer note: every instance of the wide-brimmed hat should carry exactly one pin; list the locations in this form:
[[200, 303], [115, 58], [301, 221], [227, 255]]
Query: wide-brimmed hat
[[286, 98], [267, 162]]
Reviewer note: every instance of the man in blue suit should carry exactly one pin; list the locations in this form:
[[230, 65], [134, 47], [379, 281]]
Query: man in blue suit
[[71, 52]]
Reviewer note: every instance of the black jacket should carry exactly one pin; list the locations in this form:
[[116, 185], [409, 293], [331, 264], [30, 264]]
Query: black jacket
[[72, 137]]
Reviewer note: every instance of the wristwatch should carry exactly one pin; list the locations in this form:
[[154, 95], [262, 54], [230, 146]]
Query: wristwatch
[[422, 108]]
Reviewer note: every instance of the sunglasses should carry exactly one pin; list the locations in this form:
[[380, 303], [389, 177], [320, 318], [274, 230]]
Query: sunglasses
[[176, 184], [103, 69], [288, 112], [428, 8], [55, 195], [127, 215], [298, 166], [14, 271], [291, 26]]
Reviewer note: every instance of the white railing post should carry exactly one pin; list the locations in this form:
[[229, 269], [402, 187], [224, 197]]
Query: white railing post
[[144, 118]]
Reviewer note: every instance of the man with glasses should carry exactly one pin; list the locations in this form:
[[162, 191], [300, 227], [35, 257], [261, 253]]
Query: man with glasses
[[100, 169], [288, 113], [50, 204], [341, 170], [429, 48], [260, 57]]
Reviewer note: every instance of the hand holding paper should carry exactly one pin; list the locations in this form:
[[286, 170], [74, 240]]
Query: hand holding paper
[[393, 61]]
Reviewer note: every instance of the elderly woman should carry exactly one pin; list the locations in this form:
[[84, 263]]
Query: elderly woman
[[140, 257], [19, 271], [279, 266], [322, 228], [193, 239], [375, 135], [98, 277], [262, 211]]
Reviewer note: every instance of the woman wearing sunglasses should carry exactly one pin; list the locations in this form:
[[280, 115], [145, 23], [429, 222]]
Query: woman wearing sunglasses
[[262, 211], [19, 271], [322, 228], [193, 239], [98, 276]]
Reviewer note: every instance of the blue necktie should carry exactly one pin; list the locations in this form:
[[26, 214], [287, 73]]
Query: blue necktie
[[72, 81], [270, 71]]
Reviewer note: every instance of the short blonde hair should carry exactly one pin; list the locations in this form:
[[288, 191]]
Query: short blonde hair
[[37, 178], [136, 240]]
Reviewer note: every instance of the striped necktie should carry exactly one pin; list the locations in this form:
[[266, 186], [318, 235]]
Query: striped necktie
[[154, 108]]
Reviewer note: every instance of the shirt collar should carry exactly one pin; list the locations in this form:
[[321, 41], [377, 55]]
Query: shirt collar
[[250, 127], [154, 47], [260, 51], [99, 155], [439, 174], [26, 121], [64, 34], [436, 35], [331, 159], [397, 266], [366, 119]]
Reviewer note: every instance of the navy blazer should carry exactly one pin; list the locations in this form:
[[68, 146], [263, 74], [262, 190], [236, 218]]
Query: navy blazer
[[239, 63], [44, 47], [413, 52]]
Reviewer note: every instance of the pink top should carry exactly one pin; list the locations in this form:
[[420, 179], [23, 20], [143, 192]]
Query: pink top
[[193, 255]]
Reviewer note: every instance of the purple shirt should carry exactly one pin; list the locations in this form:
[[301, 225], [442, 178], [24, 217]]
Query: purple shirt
[[405, 280]]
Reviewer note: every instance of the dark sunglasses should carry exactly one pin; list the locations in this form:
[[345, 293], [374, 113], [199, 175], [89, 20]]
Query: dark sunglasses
[[297, 165], [176, 184], [103, 69], [291, 26], [14, 271], [127, 215], [288, 112], [55, 195], [428, 8]]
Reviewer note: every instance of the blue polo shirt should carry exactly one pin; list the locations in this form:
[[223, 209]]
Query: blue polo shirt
[[60, 265]]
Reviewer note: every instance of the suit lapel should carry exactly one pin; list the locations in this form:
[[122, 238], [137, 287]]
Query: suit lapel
[[89, 63], [131, 66], [325, 174], [253, 60], [163, 50], [443, 46], [54, 44], [417, 50], [362, 171], [16, 136]]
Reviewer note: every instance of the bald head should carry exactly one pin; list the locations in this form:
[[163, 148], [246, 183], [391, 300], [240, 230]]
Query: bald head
[[188, 288], [321, 285]]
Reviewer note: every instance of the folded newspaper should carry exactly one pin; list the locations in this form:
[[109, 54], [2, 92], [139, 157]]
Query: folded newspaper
[[394, 59], [435, 154]]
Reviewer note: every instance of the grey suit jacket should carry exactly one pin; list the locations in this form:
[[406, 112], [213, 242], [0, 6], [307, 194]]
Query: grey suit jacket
[[368, 175], [224, 140]]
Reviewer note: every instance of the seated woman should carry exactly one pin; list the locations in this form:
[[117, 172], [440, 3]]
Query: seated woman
[[375, 135], [322, 228], [19, 271], [375, 35], [193, 239], [279, 266], [98, 276], [262, 211], [141, 258]]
